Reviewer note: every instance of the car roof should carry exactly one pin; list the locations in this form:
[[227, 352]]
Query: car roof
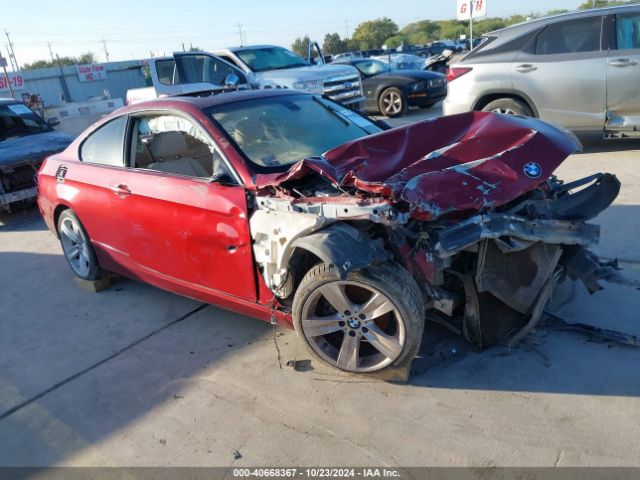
[[249, 47], [513, 31], [8, 101]]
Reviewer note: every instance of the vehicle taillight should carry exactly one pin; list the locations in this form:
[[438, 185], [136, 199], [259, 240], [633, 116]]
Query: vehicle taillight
[[455, 72]]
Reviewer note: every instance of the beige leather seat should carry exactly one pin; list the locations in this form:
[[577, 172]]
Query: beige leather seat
[[169, 149]]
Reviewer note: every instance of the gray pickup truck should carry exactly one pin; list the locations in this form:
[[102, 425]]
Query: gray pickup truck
[[261, 66]]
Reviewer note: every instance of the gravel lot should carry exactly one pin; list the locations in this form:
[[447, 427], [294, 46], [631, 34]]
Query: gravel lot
[[135, 376]]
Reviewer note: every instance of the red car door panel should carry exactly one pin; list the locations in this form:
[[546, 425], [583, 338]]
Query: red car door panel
[[190, 231]]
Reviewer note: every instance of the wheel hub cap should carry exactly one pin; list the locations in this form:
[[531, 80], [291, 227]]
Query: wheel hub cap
[[353, 323]]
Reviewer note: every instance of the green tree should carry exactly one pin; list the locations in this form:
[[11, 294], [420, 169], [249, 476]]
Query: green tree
[[333, 44], [195, 49], [301, 46], [373, 33], [88, 57], [603, 3]]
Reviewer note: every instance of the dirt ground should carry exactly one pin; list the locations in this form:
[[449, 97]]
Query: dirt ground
[[135, 376]]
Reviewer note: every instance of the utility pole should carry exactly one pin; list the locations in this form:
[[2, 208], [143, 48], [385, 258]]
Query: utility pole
[[241, 34], [106, 52], [346, 29], [63, 81], [13, 67], [50, 52], [11, 52], [471, 5], [183, 47]]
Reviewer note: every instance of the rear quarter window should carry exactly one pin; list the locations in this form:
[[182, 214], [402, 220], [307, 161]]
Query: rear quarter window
[[571, 36], [105, 146]]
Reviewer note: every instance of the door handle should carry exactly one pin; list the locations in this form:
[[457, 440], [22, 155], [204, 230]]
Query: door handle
[[526, 67], [120, 190], [622, 62]]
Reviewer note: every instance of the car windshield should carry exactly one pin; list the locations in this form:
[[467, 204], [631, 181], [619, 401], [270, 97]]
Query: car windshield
[[270, 58], [17, 120], [279, 131], [371, 67]]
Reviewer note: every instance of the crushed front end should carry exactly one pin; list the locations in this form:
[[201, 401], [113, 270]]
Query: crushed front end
[[467, 204], [490, 276]]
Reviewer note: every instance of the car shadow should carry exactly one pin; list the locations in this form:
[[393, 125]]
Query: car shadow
[[595, 143], [22, 218], [78, 366]]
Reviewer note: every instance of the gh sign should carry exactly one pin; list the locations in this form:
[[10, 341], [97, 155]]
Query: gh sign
[[479, 8]]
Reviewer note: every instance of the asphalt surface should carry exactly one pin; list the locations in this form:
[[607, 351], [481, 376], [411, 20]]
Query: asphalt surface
[[135, 376]]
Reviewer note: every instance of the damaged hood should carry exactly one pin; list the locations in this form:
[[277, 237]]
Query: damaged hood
[[32, 147], [459, 163]]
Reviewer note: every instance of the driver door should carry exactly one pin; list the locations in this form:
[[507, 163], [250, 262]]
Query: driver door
[[191, 72], [188, 221]]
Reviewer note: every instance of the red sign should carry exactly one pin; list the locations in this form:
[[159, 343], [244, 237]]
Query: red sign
[[90, 73], [15, 79]]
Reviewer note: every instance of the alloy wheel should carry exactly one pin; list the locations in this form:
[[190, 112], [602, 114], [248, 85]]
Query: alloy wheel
[[391, 103], [353, 326], [75, 246], [506, 111]]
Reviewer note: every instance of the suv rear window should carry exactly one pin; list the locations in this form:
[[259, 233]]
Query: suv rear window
[[573, 36]]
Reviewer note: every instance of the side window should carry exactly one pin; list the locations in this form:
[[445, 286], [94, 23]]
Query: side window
[[205, 68], [173, 144], [167, 73], [229, 59], [573, 36], [106, 145], [628, 31]]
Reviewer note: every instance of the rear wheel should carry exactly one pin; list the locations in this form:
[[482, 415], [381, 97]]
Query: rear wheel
[[371, 320], [77, 247], [508, 106], [392, 102]]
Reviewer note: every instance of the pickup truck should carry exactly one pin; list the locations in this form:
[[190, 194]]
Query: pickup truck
[[260, 66]]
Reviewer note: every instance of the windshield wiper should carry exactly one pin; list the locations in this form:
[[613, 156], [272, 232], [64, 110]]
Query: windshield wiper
[[329, 109]]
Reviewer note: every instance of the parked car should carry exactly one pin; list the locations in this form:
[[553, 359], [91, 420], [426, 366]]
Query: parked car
[[269, 65], [261, 66], [390, 92], [288, 207], [580, 70], [402, 61], [346, 56], [373, 52], [25, 139]]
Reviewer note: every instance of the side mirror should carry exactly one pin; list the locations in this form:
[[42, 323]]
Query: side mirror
[[53, 121], [232, 80]]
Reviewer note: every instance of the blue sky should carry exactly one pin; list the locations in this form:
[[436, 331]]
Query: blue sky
[[132, 28]]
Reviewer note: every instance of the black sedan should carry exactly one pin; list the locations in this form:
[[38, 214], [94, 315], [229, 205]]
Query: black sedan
[[391, 92]]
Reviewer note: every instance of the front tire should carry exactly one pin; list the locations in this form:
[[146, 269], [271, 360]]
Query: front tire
[[392, 102], [508, 106], [77, 247], [370, 321]]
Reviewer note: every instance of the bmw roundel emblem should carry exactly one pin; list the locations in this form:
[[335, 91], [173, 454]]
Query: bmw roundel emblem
[[532, 170]]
